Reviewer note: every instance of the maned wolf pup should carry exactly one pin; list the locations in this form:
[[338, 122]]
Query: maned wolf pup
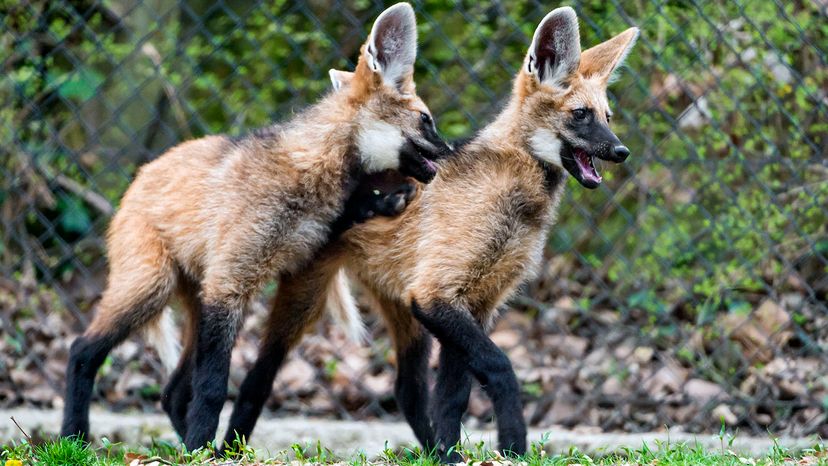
[[466, 242], [212, 219]]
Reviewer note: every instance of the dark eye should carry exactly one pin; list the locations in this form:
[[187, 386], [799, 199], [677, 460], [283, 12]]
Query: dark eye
[[425, 117], [580, 114], [609, 116]]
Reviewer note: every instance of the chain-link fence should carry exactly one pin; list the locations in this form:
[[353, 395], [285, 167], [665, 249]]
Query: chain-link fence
[[690, 288]]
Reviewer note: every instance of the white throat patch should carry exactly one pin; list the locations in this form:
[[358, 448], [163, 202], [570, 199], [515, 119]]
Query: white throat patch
[[379, 146], [546, 146]]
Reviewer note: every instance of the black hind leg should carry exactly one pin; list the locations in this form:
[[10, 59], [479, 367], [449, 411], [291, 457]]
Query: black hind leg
[[86, 356], [451, 400], [110, 327], [177, 395], [300, 301], [140, 282], [413, 346], [179, 390], [216, 334], [411, 387], [458, 331]]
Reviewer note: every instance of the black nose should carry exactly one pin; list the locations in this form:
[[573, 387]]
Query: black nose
[[621, 153]]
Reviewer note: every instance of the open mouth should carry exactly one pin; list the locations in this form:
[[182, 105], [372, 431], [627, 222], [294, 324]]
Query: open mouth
[[581, 165], [419, 161], [586, 165]]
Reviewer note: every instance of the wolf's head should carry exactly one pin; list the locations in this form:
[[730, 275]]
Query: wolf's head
[[395, 128], [561, 96]]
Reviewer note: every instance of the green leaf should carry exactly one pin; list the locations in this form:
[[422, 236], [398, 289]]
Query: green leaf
[[80, 85], [75, 217]]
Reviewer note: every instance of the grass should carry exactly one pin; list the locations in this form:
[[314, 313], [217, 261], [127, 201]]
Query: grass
[[70, 452]]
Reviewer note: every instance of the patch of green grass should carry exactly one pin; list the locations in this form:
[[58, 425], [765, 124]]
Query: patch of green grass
[[66, 452], [63, 452]]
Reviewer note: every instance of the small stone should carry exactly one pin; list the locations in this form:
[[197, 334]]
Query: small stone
[[772, 317], [298, 376], [643, 354], [684, 414], [624, 350], [131, 382], [563, 409], [565, 303], [763, 419], [569, 346], [127, 351], [702, 391], [379, 384], [507, 338], [667, 379], [612, 387], [723, 411], [606, 317], [478, 405]]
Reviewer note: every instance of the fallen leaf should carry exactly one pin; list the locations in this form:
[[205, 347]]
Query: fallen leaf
[[131, 458]]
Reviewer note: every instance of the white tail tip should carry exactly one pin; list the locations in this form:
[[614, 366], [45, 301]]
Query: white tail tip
[[161, 334], [343, 308]]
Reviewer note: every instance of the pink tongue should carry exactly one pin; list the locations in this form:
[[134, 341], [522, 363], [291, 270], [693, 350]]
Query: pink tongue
[[587, 171], [430, 164]]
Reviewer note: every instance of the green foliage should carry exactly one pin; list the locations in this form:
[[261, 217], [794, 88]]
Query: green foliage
[[239, 450], [723, 206]]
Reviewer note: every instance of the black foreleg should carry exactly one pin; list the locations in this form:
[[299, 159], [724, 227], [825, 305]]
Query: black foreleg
[[451, 400], [411, 387], [254, 392]]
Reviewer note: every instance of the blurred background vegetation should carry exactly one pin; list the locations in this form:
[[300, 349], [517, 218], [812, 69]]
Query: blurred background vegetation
[[708, 248]]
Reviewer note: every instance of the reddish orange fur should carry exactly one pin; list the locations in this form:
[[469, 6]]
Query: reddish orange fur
[[463, 245], [441, 248], [193, 209]]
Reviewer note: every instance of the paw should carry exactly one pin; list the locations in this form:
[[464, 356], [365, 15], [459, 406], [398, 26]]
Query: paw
[[393, 203], [449, 457]]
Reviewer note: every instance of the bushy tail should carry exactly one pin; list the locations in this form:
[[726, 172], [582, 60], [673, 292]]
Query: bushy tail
[[162, 335], [343, 308]]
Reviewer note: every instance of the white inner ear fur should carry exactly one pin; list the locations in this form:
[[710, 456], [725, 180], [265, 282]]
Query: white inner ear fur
[[397, 42], [546, 146], [369, 55], [337, 83], [379, 146], [568, 63]]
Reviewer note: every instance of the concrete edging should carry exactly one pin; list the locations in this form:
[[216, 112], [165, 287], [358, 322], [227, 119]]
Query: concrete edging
[[345, 438]]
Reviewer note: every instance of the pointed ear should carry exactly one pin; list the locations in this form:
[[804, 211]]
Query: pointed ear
[[556, 48], [340, 79], [602, 60], [392, 46]]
